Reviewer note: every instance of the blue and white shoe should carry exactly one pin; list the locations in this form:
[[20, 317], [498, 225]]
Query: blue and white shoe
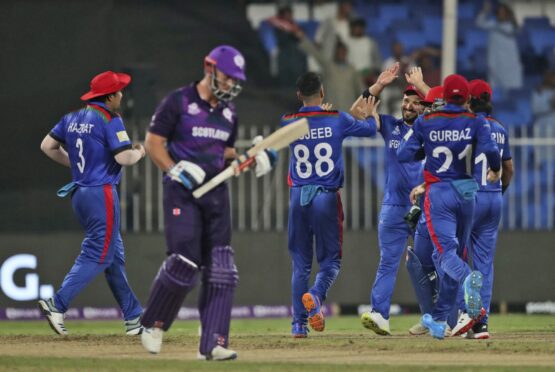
[[472, 286], [437, 329], [53, 315], [133, 327], [299, 330]]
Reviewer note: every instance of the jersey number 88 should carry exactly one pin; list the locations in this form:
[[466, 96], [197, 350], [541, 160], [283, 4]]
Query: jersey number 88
[[323, 153]]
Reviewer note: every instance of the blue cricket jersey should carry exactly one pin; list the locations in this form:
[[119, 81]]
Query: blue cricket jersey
[[401, 178], [316, 158], [501, 137], [448, 138], [92, 136]]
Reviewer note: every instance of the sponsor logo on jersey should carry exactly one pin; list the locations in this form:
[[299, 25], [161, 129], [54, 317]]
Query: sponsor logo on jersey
[[193, 109], [228, 114], [206, 132], [122, 136]]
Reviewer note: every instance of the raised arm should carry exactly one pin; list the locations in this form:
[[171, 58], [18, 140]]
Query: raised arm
[[415, 77]]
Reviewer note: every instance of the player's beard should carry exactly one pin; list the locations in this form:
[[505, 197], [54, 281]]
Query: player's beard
[[409, 116]]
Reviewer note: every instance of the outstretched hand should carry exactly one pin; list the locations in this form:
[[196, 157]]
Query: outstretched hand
[[414, 76], [388, 75], [365, 107]]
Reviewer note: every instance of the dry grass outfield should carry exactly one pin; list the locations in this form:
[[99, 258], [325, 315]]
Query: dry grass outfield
[[519, 342]]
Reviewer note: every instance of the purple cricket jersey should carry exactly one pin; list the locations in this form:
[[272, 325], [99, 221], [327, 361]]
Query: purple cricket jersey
[[196, 131]]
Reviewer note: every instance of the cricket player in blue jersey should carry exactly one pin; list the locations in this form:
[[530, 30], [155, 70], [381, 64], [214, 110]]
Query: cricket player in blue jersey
[[95, 146], [191, 137], [489, 206], [315, 210], [446, 138], [393, 232]]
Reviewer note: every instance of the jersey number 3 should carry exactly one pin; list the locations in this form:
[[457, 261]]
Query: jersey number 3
[[81, 162], [323, 153]]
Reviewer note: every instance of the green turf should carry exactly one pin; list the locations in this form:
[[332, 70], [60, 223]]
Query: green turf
[[513, 335]]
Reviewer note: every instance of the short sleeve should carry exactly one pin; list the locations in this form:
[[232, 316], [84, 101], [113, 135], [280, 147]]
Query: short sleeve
[[59, 131], [116, 136], [166, 116]]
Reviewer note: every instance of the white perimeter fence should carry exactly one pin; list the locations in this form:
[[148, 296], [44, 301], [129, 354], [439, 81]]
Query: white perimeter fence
[[261, 204]]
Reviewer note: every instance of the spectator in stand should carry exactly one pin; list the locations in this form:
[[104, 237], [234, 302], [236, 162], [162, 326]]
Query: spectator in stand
[[341, 79], [543, 106], [504, 64], [287, 61], [364, 53], [331, 29]]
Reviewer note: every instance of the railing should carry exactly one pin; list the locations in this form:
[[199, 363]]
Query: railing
[[261, 204]]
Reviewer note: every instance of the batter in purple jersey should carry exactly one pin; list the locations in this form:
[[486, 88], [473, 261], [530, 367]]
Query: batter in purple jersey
[[191, 137]]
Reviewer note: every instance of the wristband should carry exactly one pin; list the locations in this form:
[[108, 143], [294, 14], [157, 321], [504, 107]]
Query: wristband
[[366, 94]]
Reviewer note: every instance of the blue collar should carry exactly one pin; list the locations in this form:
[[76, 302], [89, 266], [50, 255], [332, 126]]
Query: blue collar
[[310, 108]]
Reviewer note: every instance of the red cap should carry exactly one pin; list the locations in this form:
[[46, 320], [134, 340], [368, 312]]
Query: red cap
[[477, 87], [455, 86], [411, 90], [434, 94], [106, 83]]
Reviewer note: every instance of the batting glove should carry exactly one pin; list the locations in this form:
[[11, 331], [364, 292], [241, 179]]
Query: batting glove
[[187, 173]]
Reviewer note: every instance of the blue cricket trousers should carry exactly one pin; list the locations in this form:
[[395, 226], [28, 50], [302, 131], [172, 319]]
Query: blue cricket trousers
[[320, 221], [449, 220], [393, 233], [98, 211], [483, 240]]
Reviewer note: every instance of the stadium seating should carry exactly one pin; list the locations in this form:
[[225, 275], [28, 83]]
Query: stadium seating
[[421, 25]]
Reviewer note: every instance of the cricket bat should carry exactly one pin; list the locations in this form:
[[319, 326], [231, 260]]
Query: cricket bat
[[277, 140]]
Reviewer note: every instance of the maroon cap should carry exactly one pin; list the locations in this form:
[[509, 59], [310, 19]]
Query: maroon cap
[[455, 86], [477, 87], [435, 93], [411, 90], [106, 83]]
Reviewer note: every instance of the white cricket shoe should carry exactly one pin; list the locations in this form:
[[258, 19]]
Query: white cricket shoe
[[133, 327], [418, 329], [152, 339], [218, 353], [376, 322], [53, 315], [464, 323]]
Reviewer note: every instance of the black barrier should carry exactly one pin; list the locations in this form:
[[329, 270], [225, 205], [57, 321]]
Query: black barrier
[[35, 264]]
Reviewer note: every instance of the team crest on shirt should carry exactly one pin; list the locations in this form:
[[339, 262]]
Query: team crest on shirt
[[177, 211], [396, 131], [227, 114], [193, 109]]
